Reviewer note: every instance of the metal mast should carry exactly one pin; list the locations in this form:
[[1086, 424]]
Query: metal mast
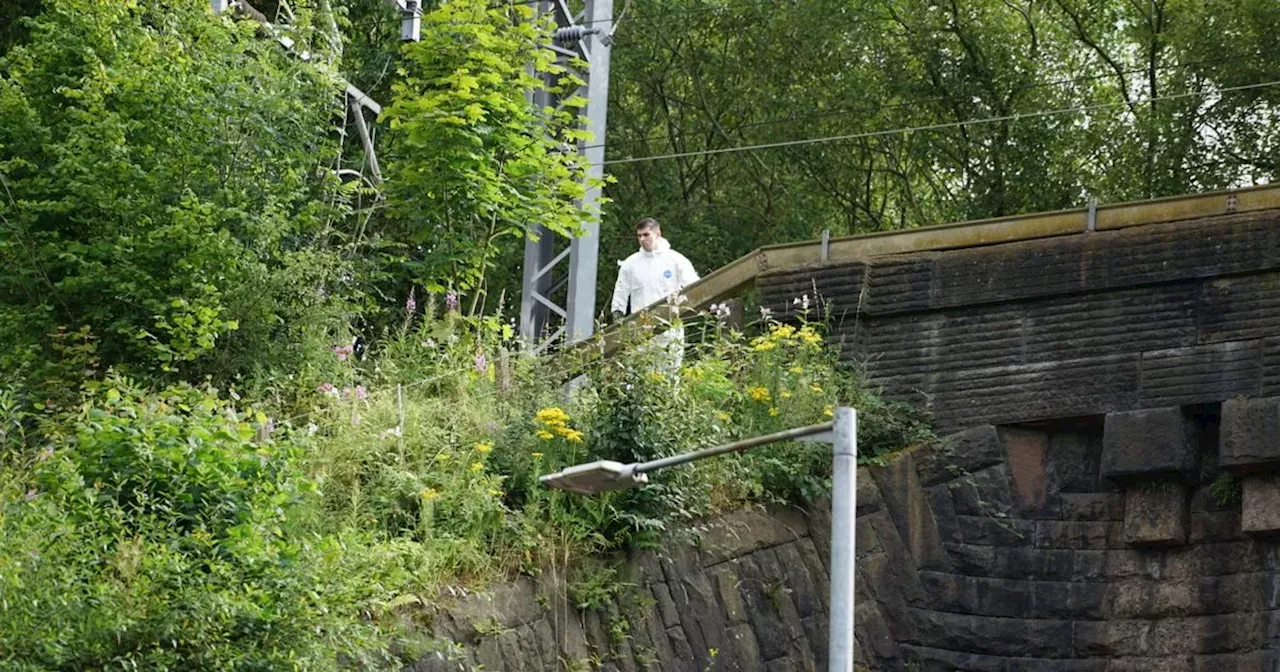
[[587, 35]]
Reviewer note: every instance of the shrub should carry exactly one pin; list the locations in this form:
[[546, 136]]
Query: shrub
[[166, 536]]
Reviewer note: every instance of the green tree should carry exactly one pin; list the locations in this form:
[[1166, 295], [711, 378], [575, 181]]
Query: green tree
[[975, 78], [472, 164], [167, 185]]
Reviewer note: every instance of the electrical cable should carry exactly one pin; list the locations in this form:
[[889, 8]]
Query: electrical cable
[[934, 127], [847, 111]]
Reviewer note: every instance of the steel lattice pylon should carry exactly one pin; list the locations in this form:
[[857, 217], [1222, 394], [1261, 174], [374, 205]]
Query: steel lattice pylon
[[588, 36]]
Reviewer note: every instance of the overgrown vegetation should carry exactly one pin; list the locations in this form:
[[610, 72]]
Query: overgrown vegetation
[[188, 529]]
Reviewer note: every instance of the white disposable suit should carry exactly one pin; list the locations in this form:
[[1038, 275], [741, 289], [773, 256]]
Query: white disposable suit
[[645, 278]]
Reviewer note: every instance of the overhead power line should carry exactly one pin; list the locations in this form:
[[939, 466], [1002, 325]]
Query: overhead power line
[[936, 127], [875, 109]]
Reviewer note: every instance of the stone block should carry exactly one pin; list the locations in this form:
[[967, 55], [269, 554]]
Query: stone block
[[1214, 527], [683, 658], [944, 513], [1088, 565], [866, 636], [1201, 373], [1072, 534], [1152, 664], [1253, 661], [772, 615], [985, 492], [991, 635], [869, 500], [1063, 599], [1092, 506], [1050, 665], [1148, 443], [972, 560], [1156, 514], [928, 659], [1023, 562], [1222, 633], [742, 532], [1249, 434], [801, 585], [727, 587], [742, 654], [817, 571], [963, 452], [1028, 466], [1111, 638], [1074, 460], [1010, 598], [988, 531], [666, 606], [906, 501], [1260, 504]]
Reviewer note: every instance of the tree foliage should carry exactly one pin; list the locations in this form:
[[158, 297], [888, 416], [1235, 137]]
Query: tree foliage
[[473, 162], [1066, 84], [164, 188]]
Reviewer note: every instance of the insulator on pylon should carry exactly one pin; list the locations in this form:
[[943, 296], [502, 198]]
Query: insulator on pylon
[[571, 34]]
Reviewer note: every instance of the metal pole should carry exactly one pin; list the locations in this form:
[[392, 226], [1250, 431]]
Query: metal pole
[[736, 446], [844, 487], [367, 142], [585, 249]]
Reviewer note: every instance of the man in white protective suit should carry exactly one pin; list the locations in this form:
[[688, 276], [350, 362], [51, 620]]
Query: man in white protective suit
[[652, 274]]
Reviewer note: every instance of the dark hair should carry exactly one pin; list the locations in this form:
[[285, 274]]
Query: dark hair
[[648, 223]]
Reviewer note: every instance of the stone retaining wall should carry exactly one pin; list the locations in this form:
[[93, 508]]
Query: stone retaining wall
[[1148, 316], [1094, 545], [1108, 499]]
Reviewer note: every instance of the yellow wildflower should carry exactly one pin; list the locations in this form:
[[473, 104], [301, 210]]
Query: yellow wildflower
[[429, 494], [722, 416], [477, 466], [815, 388], [783, 331], [551, 416], [785, 394], [764, 346], [572, 436], [442, 457], [656, 377], [544, 435], [758, 393], [809, 336], [773, 412], [484, 447], [828, 411], [797, 370], [537, 456]]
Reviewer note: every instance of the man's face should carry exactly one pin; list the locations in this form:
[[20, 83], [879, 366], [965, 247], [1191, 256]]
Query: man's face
[[648, 238]]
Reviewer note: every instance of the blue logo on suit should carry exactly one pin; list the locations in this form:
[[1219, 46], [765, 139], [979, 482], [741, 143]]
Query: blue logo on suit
[[667, 273]]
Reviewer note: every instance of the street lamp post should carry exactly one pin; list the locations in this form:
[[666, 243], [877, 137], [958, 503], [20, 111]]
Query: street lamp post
[[841, 433]]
